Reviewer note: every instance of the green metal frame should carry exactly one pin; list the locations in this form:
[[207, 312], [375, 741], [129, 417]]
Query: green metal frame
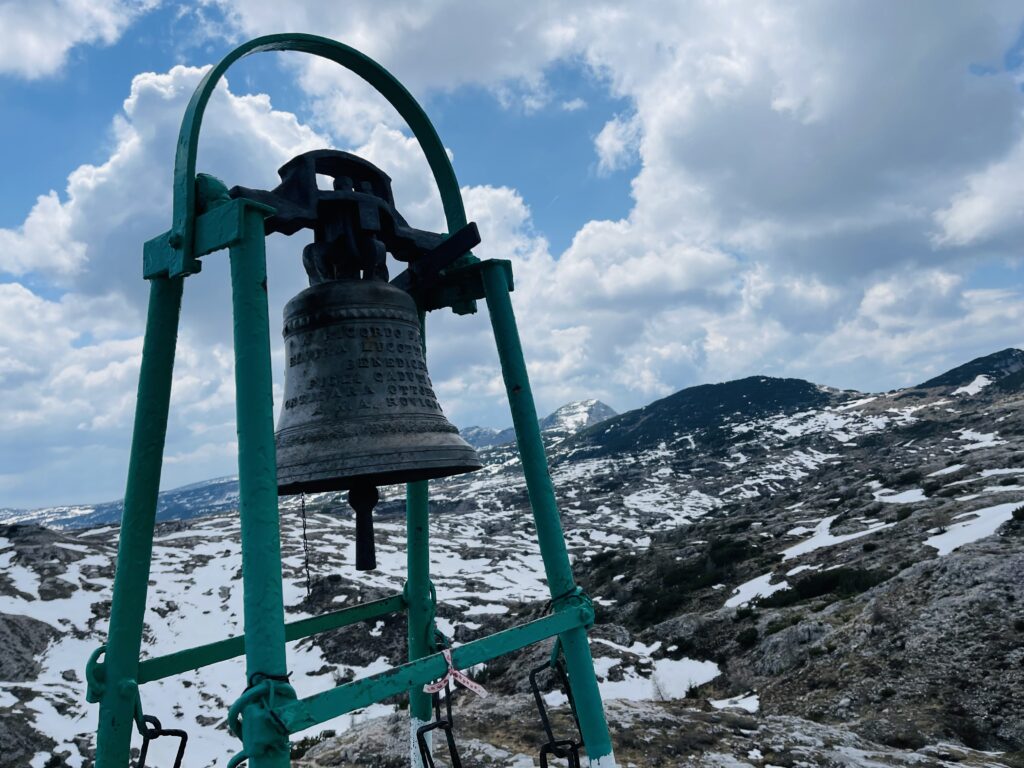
[[204, 221]]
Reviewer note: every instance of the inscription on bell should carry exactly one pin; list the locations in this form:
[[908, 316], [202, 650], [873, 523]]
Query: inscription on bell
[[359, 408], [379, 370]]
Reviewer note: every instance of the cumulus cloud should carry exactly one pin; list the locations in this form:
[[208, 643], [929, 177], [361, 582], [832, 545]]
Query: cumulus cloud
[[38, 34], [813, 184], [618, 143], [991, 205], [71, 363]]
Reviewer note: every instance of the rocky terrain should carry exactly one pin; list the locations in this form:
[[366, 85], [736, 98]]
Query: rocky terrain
[[785, 575]]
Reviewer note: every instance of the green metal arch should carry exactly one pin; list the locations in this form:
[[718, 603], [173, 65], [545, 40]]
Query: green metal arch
[[183, 227]]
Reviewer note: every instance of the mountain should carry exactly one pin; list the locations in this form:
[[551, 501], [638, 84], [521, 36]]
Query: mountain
[[221, 494], [573, 417], [184, 503], [565, 421], [481, 437], [980, 372], [706, 412], [783, 574]]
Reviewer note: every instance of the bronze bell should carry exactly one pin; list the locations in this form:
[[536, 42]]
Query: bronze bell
[[359, 409]]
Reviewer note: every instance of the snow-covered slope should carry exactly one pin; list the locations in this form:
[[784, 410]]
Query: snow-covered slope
[[808, 553]]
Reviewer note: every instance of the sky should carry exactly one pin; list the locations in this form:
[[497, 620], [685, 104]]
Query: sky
[[689, 192]]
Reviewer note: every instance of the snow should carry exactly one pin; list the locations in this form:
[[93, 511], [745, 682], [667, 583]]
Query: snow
[[857, 403], [979, 439], [801, 569], [671, 679], [979, 383], [904, 497], [947, 470], [1001, 471], [749, 702], [476, 610], [822, 537], [975, 525], [759, 587]]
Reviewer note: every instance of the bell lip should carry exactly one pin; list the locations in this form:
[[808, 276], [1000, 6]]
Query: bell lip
[[393, 477]]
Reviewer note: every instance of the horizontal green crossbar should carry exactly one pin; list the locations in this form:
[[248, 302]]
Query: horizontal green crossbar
[[321, 707], [204, 655], [220, 227]]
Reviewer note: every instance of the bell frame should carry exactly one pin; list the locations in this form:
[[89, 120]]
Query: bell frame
[[268, 711]]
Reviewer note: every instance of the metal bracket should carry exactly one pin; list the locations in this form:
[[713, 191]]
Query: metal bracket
[[462, 285], [575, 598], [222, 226], [95, 676]]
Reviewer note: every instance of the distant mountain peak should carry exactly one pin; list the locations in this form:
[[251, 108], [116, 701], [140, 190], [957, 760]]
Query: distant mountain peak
[[578, 415], [973, 376], [562, 422]]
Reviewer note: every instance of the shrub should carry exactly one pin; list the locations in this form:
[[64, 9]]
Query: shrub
[[299, 748], [1018, 513], [840, 582], [870, 546], [745, 612], [747, 638], [780, 624]]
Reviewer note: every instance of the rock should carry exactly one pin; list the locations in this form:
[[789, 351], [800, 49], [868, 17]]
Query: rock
[[23, 641]]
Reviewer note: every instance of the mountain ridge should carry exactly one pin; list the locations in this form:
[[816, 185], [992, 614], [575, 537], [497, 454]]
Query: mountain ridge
[[588, 426], [830, 584]]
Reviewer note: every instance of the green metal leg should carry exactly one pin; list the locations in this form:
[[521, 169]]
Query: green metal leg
[[418, 593], [421, 604], [135, 544], [578, 660], [264, 743]]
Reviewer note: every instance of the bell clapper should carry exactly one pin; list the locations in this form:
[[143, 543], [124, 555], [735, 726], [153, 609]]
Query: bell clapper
[[362, 499]]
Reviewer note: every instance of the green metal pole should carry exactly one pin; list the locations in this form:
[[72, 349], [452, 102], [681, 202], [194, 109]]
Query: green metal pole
[[420, 598], [578, 660], [421, 604], [265, 744], [135, 544]]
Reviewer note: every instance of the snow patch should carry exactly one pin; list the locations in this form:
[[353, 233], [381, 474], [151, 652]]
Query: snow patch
[[979, 524], [904, 497], [979, 383], [759, 587], [749, 703]]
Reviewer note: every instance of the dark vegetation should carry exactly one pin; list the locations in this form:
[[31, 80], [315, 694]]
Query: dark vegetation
[[836, 583], [671, 582]]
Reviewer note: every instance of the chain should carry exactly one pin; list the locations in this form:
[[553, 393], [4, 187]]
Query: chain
[[305, 546]]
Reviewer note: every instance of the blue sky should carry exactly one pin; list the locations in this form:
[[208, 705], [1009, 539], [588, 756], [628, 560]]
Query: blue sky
[[690, 192]]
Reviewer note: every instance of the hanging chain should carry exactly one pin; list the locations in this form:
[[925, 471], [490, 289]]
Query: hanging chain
[[305, 546]]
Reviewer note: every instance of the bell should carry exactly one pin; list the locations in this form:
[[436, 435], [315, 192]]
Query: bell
[[359, 410]]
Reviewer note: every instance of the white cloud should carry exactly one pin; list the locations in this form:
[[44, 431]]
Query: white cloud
[[43, 242], [618, 143], [794, 162], [991, 205], [38, 34], [71, 364]]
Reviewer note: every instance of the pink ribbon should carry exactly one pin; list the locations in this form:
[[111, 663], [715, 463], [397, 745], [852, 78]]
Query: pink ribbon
[[458, 676]]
